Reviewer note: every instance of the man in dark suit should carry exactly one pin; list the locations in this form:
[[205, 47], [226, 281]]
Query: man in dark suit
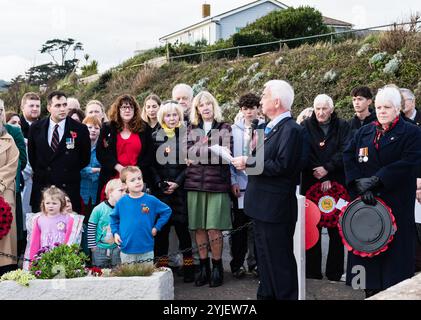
[[31, 111], [270, 198], [58, 148]]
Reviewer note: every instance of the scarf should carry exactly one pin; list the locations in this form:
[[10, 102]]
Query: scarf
[[170, 132], [380, 131]]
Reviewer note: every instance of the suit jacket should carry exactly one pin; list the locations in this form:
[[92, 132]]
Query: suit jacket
[[60, 168], [24, 125], [270, 196]]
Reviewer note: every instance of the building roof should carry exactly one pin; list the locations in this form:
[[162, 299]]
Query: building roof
[[223, 15], [326, 20], [334, 22]]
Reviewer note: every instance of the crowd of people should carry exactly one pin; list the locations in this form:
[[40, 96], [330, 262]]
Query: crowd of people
[[115, 181]]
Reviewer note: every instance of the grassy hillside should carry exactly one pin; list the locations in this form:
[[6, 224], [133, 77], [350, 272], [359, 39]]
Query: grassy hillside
[[391, 57]]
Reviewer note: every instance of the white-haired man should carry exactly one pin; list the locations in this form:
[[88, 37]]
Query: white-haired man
[[270, 198], [409, 109], [327, 136], [183, 93]]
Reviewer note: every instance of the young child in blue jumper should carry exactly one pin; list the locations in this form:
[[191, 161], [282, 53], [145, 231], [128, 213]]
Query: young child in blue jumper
[[134, 222]]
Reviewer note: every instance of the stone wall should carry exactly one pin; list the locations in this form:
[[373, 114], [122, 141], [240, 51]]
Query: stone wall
[[409, 289]]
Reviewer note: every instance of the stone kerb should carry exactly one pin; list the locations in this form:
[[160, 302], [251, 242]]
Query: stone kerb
[[409, 289], [158, 286]]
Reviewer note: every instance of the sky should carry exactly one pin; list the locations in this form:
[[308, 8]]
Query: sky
[[111, 31]]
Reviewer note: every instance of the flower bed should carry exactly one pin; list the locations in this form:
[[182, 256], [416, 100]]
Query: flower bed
[[158, 286]]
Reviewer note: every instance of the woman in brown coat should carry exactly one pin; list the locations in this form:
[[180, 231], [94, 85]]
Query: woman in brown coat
[[9, 158]]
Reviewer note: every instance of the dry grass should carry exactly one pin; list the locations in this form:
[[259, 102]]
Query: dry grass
[[134, 270]]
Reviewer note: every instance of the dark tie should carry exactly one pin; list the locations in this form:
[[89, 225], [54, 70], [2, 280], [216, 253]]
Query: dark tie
[[56, 139]]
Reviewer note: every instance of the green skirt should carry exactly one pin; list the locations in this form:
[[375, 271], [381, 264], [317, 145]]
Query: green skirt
[[209, 210]]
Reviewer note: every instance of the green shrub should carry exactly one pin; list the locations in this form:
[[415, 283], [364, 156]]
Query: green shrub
[[253, 37], [133, 270], [60, 261]]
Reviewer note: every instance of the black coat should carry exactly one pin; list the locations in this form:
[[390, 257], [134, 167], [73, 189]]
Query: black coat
[[395, 164], [329, 155], [355, 122], [106, 153], [24, 125], [60, 168], [174, 171], [270, 196]]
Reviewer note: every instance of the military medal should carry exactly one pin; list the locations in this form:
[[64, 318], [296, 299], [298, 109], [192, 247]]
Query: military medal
[[363, 155], [70, 143]]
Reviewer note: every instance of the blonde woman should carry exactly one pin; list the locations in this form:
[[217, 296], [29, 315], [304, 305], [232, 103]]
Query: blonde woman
[[96, 108], [208, 184], [169, 172], [150, 111]]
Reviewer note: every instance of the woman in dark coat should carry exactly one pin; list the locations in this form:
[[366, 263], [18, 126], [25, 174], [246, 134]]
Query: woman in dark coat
[[168, 184], [208, 185], [124, 141], [392, 152], [327, 136]]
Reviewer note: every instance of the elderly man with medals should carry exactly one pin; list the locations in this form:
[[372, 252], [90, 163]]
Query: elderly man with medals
[[380, 167]]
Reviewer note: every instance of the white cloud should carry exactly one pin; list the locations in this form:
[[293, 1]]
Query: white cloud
[[11, 66]]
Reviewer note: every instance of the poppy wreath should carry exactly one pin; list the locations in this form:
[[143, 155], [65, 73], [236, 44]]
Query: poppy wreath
[[328, 218], [365, 254], [6, 218]]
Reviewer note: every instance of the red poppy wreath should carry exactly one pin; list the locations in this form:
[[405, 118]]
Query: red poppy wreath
[[326, 202], [6, 218]]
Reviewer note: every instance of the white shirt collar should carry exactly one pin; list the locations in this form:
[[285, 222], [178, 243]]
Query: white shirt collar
[[278, 119], [61, 124]]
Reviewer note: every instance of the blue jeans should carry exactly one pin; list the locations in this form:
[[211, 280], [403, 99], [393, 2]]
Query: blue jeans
[[106, 258], [146, 257]]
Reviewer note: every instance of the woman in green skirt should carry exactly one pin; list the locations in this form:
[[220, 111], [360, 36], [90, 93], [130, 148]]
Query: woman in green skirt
[[208, 184]]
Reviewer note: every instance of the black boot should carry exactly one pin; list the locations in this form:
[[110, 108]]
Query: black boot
[[188, 269], [203, 276], [217, 276]]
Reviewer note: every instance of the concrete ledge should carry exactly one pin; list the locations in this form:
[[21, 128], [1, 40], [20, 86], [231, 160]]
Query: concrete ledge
[[409, 289], [158, 286]]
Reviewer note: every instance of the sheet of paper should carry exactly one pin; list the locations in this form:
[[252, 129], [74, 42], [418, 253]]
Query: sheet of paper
[[221, 151], [417, 212], [341, 203]]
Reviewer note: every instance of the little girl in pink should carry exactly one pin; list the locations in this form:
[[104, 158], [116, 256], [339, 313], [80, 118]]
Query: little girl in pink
[[53, 225]]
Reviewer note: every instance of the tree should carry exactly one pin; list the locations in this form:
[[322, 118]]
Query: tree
[[62, 46], [291, 23]]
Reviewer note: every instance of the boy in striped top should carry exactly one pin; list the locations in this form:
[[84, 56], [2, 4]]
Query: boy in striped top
[[105, 253]]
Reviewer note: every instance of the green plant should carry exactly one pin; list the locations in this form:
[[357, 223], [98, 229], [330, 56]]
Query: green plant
[[60, 261], [252, 37], [20, 276], [134, 270]]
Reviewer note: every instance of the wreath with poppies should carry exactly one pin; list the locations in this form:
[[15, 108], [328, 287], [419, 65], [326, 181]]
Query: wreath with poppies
[[6, 218], [366, 254], [326, 202]]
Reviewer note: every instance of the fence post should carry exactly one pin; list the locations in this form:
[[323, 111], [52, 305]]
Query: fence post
[[201, 57], [238, 53], [331, 39], [280, 46]]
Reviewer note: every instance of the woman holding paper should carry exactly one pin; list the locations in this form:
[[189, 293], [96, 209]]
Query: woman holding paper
[[208, 184]]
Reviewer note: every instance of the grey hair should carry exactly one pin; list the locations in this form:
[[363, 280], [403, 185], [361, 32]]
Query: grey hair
[[391, 95], [407, 93], [185, 87], [323, 99], [282, 90]]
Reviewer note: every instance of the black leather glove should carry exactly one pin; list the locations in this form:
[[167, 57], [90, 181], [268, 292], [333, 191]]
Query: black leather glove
[[368, 198], [364, 184], [162, 185]]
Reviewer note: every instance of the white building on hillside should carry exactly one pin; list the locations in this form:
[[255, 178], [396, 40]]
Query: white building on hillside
[[224, 25]]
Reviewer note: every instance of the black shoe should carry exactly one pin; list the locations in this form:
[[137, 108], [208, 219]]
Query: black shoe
[[314, 276], [217, 276], [203, 276], [240, 273], [188, 274]]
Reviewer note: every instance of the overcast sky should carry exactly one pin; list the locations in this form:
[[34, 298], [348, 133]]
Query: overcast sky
[[112, 30]]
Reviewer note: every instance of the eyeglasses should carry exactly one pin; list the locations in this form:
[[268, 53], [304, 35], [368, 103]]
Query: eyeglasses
[[125, 107]]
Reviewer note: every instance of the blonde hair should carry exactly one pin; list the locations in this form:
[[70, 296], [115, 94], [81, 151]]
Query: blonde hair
[[153, 97], [168, 107], [111, 186], [204, 96], [99, 103], [29, 96], [54, 193], [127, 170]]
